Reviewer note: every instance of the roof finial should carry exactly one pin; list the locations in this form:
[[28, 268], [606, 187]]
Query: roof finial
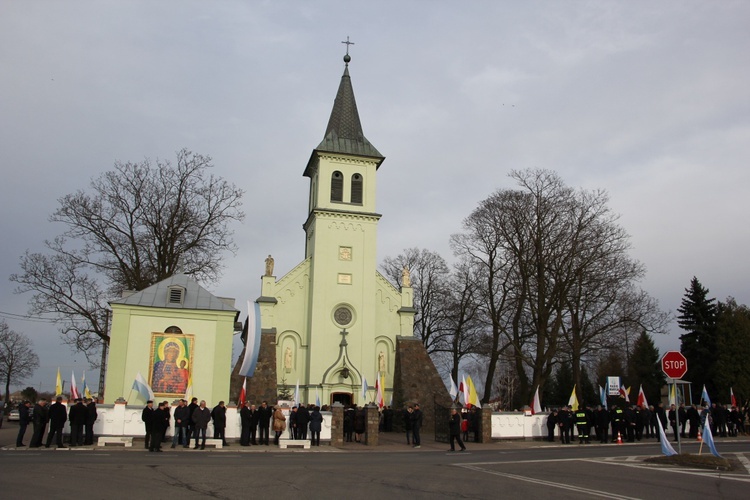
[[347, 58]]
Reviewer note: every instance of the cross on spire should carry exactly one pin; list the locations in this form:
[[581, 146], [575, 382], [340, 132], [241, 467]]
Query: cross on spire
[[347, 42]]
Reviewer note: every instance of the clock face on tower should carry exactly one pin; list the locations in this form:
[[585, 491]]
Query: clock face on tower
[[342, 316]]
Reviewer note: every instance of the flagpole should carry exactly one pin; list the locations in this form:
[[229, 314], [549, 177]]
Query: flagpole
[[677, 418], [129, 394]]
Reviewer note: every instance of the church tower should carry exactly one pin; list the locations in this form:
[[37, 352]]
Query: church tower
[[335, 317]]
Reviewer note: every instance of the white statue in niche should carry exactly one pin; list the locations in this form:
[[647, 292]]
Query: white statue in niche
[[381, 362], [288, 359]]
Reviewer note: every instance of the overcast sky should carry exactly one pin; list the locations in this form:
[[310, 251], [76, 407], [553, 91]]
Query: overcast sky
[[649, 101]]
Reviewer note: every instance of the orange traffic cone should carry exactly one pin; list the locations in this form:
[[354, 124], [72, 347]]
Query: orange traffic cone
[[700, 436], [619, 438]]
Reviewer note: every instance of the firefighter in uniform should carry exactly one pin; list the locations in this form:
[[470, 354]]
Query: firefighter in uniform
[[617, 423], [582, 424]]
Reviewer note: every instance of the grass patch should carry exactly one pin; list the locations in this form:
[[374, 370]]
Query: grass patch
[[706, 461]]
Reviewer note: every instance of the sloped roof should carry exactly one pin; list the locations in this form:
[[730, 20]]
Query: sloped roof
[[196, 297]]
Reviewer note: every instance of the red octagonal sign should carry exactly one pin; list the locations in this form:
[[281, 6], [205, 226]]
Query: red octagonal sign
[[674, 364]]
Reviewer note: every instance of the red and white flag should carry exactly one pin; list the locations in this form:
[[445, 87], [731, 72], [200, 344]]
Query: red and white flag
[[243, 393], [74, 394], [379, 392], [642, 398], [465, 391], [731, 394], [536, 405]]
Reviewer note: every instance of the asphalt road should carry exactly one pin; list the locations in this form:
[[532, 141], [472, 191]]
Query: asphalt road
[[522, 470]]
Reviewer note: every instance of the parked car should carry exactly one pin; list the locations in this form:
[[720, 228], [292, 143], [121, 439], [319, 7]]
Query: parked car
[[14, 415]]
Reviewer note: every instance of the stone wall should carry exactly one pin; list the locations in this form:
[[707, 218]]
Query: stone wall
[[416, 380], [262, 385]]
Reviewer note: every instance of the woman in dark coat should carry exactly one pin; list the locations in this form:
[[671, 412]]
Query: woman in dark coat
[[359, 424], [316, 424]]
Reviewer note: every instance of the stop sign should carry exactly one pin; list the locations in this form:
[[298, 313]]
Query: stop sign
[[674, 364]]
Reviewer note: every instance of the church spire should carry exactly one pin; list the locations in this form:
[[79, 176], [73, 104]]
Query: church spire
[[344, 132]]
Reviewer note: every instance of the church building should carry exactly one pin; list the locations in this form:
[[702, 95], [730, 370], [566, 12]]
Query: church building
[[335, 319]]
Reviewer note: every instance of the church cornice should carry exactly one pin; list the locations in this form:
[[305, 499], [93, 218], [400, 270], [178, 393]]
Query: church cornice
[[338, 158], [340, 214]]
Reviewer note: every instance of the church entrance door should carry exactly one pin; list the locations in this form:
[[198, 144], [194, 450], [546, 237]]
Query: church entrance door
[[345, 398]]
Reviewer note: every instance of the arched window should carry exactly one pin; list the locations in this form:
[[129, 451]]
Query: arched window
[[337, 186], [357, 188]]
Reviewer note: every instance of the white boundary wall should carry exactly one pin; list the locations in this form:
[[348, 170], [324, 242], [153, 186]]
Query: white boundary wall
[[124, 420], [519, 425]]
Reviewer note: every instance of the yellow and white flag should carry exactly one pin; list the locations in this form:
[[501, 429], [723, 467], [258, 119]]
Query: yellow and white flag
[[58, 384], [573, 401]]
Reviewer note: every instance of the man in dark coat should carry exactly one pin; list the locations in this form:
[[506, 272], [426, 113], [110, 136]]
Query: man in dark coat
[[24, 419], [40, 419], [181, 414], [219, 416], [147, 415], [551, 425], [57, 418], [159, 425], [245, 420], [191, 427], [254, 416], [406, 415], [416, 424], [293, 422], [565, 422], [201, 417], [303, 419], [77, 417], [454, 429], [602, 423], [264, 421], [90, 419]]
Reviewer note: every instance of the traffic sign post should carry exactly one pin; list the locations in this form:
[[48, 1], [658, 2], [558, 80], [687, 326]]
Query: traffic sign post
[[674, 366]]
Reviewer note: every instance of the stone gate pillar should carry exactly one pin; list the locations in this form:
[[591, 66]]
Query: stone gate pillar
[[337, 424], [372, 425]]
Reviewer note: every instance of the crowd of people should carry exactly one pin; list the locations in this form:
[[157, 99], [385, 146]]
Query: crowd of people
[[631, 423], [81, 414], [191, 423]]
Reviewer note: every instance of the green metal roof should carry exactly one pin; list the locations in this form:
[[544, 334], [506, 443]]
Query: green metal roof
[[344, 132]]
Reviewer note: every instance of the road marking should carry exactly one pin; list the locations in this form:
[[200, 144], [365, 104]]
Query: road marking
[[743, 460], [691, 472], [577, 489]]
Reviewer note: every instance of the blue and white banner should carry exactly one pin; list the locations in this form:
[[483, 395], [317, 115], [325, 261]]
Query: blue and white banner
[[252, 342], [708, 438], [141, 386]]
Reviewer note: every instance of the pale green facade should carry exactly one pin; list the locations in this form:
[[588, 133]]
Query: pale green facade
[[338, 286], [141, 319]]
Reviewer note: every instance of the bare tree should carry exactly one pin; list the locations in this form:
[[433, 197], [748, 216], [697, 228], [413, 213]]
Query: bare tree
[[430, 279], [136, 225], [554, 268], [464, 327], [17, 358]]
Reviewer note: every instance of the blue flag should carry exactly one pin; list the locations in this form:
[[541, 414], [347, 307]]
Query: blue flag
[[708, 438], [603, 397], [704, 396]]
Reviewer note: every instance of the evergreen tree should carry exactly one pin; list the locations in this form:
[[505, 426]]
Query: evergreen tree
[[589, 394], [733, 351], [644, 368], [562, 385], [698, 318]]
